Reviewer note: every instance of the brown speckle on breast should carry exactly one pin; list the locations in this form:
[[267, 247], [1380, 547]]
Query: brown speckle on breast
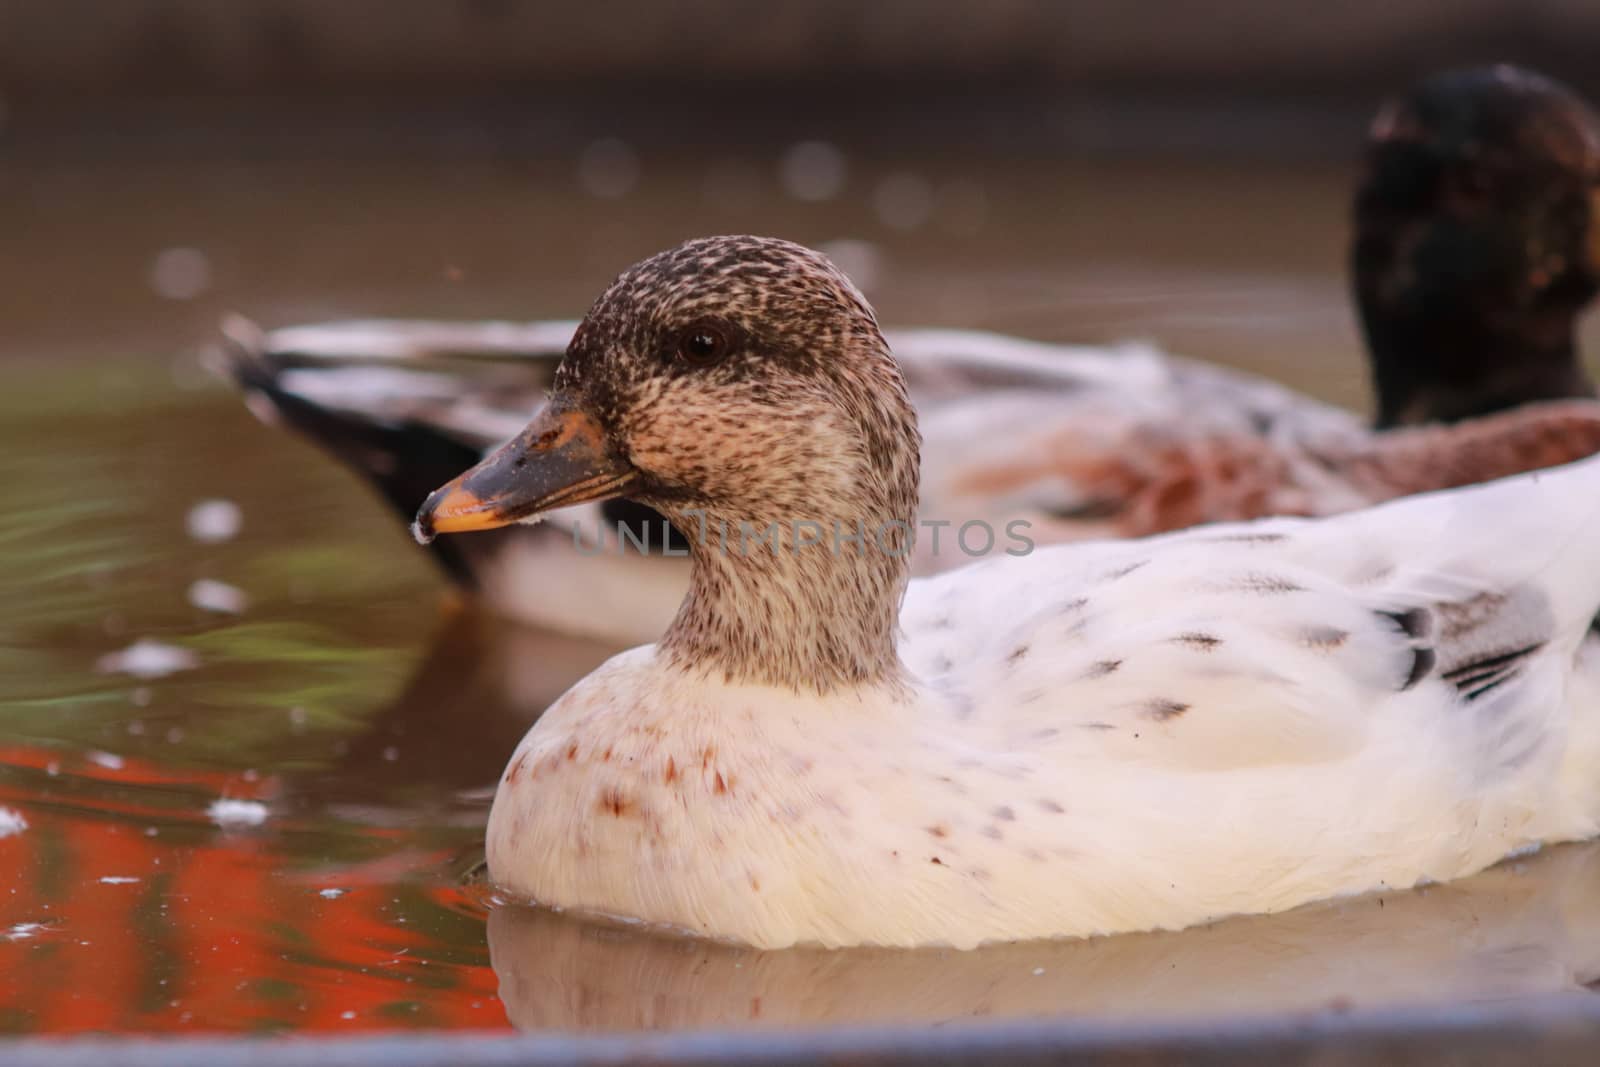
[[1101, 668], [1162, 708], [670, 773], [939, 830], [1004, 813], [615, 802], [1196, 640], [1046, 804]]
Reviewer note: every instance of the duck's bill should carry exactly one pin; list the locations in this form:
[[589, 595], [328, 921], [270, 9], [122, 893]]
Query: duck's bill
[[561, 459]]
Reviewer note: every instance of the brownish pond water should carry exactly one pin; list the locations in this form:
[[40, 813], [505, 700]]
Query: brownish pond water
[[249, 743]]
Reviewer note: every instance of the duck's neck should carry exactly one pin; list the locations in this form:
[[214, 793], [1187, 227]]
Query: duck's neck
[[1444, 371], [802, 591]]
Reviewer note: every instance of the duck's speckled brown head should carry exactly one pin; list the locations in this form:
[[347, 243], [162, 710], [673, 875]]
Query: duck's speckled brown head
[[732, 382], [1475, 244], [729, 366]]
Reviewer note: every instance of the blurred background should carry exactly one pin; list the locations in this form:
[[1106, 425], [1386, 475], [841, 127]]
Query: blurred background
[[1085, 169]]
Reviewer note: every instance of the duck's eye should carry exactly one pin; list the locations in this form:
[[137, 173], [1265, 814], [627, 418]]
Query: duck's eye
[[702, 345]]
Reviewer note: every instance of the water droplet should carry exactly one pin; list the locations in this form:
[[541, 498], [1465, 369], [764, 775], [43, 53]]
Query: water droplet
[[812, 170], [608, 168], [212, 521], [229, 812], [146, 658], [210, 595], [331, 893], [903, 201], [11, 822], [180, 273]]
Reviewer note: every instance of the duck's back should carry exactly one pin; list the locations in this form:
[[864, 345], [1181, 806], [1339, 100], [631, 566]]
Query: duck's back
[[1399, 695]]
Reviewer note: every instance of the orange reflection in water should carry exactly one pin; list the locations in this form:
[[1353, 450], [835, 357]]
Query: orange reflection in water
[[126, 908]]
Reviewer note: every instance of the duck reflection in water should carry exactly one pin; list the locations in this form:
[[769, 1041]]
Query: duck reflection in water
[[1523, 929]]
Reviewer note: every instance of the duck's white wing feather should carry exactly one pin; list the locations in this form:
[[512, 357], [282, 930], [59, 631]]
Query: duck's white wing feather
[[1285, 641]]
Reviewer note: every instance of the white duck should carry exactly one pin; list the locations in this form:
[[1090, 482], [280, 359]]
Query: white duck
[[1472, 260], [1082, 740]]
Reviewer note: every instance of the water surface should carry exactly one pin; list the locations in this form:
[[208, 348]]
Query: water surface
[[254, 812]]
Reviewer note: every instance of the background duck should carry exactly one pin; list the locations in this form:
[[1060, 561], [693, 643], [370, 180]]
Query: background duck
[[1032, 746], [1475, 245], [1472, 257]]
